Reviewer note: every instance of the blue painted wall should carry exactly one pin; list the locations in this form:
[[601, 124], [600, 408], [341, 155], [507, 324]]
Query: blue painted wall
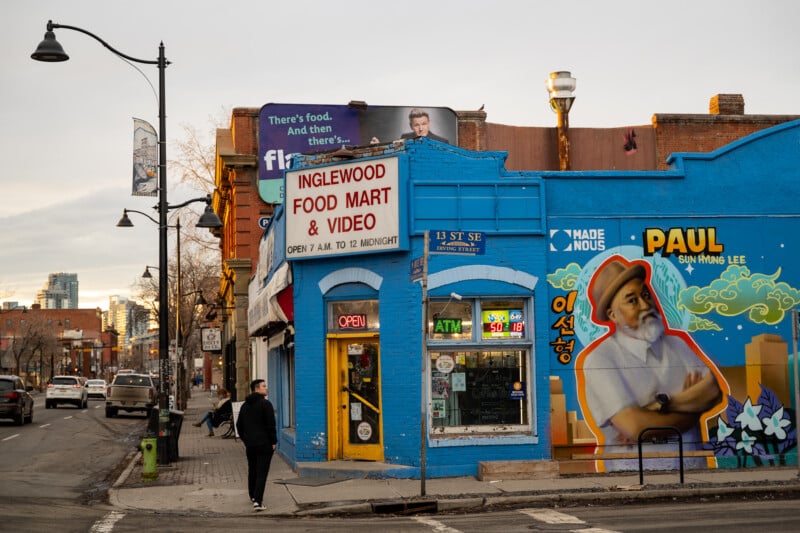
[[748, 190]]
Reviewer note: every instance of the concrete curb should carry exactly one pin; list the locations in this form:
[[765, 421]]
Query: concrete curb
[[481, 503]]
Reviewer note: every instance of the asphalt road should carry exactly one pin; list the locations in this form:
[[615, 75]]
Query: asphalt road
[[67, 453], [775, 516]]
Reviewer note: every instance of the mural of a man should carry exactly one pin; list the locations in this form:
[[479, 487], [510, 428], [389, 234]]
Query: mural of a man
[[641, 373]]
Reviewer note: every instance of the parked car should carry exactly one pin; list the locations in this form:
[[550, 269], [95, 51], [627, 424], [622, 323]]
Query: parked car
[[66, 389], [96, 388], [16, 402]]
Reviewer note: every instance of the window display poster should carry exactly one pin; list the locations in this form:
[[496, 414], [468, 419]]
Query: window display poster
[[499, 323], [517, 391], [440, 385], [438, 408], [458, 382]]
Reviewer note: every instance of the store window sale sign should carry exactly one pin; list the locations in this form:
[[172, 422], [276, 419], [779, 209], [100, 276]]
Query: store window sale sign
[[343, 209]]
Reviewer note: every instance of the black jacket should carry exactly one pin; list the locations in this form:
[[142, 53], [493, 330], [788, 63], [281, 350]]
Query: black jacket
[[256, 422], [222, 413]]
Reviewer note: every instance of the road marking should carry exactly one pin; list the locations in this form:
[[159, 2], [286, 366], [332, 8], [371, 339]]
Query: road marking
[[14, 436], [106, 524], [44, 426], [67, 417], [549, 516], [436, 525]]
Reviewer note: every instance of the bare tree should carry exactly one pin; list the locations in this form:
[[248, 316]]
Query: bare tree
[[195, 166], [197, 153], [34, 336]]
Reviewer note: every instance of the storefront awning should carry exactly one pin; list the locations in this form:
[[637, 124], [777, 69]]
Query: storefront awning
[[272, 303]]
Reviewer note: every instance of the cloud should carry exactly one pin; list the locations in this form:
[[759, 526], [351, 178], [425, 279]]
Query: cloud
[[77, 235]]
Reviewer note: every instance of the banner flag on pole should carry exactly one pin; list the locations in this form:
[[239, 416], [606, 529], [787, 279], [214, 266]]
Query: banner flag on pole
[[145, 159]]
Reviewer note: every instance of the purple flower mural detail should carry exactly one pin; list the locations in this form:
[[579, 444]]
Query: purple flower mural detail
[[763, 431]]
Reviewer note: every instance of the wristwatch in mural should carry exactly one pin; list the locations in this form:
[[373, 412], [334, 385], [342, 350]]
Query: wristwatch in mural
[[663, 401]]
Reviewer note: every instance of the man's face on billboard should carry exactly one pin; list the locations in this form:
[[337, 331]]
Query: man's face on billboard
[[420, 125]]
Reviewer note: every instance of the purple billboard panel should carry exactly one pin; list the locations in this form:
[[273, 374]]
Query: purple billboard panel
[[288, 129]]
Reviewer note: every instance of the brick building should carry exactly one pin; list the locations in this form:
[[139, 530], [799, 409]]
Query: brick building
[[243, 212], [39, 343]]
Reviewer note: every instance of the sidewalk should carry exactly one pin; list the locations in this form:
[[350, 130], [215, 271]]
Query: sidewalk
[[211, 476]]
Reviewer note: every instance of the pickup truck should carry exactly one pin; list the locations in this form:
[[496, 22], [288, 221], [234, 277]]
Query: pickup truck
[[130, 392]]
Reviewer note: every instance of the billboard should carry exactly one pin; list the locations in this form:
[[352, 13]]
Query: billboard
[[343, 209], [288, 129]]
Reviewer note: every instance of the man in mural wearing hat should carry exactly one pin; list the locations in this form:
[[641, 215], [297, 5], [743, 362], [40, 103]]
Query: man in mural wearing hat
[[642, 374]]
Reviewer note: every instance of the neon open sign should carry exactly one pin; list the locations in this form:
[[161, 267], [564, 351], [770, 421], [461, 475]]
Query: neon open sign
[[352, 321]]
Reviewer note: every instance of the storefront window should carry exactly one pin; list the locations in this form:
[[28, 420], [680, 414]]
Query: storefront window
[[450, 320], [350, 316], [479, 376], [479, 388]]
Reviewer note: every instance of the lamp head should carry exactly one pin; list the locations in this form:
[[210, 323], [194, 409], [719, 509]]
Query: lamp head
[[209, 219], [49, 50], [147, 274], [560, 85], [125, 221]]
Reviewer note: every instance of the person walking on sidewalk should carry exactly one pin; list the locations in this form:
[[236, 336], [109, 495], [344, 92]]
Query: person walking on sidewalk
[[256, 427]]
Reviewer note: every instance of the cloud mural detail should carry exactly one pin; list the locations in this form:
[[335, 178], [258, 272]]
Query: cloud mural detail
[[737, 292], [565, 278]]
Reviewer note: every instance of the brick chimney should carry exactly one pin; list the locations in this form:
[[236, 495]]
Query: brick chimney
[[726, 104]]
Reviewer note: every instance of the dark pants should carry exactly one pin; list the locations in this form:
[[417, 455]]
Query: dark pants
[[258, 459]]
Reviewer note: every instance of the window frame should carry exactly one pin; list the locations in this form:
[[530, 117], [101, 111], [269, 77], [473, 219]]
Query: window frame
[[476, 343]]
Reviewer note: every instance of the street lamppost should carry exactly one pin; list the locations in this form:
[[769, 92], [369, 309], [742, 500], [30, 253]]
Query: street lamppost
[[50, 50], [560, 86], [208, 219]]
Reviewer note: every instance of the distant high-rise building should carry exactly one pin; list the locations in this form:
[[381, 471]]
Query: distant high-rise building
[[129, 319], [60, 292]]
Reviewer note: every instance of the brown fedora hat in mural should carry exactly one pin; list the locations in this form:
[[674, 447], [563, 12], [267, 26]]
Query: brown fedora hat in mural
[[608, 280]]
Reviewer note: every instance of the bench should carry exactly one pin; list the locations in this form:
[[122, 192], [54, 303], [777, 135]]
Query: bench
[[227, 426]]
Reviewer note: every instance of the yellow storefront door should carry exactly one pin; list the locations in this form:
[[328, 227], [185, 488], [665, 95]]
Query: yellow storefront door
[[354, 398]]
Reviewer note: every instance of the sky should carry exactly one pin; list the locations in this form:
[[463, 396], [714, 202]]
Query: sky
[[67, 132]]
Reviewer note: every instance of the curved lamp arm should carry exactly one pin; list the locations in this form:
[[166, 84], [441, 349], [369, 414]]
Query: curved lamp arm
[[52, 26], [125, 221]]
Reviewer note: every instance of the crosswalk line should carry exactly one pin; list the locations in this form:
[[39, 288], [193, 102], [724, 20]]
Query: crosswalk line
[[550, 516], [437, 526]]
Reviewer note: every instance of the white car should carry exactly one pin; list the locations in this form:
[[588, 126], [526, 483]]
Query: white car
[[66, 389], [96, 388]]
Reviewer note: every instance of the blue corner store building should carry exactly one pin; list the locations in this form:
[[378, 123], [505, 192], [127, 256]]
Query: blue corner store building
[[500, 266]]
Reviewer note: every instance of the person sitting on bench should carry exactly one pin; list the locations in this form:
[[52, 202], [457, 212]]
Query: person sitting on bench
[[222, 411]]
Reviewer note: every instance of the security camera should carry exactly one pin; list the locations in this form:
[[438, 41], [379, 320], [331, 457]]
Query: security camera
[[455, 296]]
